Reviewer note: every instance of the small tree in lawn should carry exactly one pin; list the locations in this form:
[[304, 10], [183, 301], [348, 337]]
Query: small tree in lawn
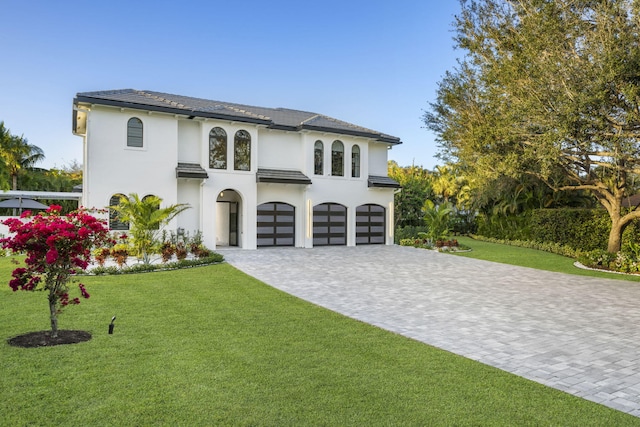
[[146, 219], [55, 247]]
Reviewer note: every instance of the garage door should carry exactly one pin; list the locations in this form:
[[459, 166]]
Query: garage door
[[329, 224], [276, 224], [370, 225]]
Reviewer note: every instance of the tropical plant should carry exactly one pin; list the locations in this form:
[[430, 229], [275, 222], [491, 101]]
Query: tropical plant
[[416, 188], [146, 219], [17, 154], [438, 219], [55, 247]]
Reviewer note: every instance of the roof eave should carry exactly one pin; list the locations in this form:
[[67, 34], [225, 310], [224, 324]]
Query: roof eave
[[376, 136], [283, 181], [169, 110]]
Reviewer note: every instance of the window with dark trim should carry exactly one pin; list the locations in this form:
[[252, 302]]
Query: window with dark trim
[[217, 148], [154, 203], [114, 221], [355, 161], [134, 132], [337, 158], [318, 158], [242, 151]]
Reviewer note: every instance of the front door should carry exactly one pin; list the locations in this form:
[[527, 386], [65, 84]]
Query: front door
[[227, 224], [233, 224]]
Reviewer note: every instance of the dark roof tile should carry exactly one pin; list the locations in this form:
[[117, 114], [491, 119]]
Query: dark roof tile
[[277, 118], [282, 176], [190, 170], [382, 182]]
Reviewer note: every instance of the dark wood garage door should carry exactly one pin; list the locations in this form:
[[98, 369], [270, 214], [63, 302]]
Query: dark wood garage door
[[370, 225], [276, 224], [329, 224]]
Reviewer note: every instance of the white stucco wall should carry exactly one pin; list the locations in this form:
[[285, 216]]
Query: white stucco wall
[[378, 155], [111, 167], [280, 150], [189, 141]]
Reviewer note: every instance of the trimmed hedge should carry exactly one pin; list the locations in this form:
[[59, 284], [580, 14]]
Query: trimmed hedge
[[580, 229]]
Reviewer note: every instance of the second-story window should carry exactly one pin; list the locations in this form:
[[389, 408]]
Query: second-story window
[[242, 151], [134, 132], [355, 161], [217, 148], [318, 158], [337, 158]]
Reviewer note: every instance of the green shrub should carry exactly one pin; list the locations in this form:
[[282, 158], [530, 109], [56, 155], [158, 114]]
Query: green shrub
[[408, 232], [580, 229], [511, 227]]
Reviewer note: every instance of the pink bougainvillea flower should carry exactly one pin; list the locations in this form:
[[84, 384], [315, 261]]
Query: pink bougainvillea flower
[[51, 256]]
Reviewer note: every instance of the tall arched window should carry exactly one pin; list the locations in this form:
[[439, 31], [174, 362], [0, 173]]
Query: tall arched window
[[337, 158], [114, 222], [152, 202], [134, 132], [217, 149], [242, 151], [318, 158], [355, 161]]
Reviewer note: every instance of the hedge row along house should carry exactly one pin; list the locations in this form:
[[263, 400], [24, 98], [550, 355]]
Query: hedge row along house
[[253, 176]]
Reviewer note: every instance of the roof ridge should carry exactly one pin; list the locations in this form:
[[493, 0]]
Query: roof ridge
[[309, 119], [161, 99]]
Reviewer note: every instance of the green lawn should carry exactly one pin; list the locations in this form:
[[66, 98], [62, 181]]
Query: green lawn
[[212, 346], [531, 258]]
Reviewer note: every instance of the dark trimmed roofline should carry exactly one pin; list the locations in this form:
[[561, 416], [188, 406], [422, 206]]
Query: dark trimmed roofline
[[170, 110], [382, 182], [272, 118], [279, 176], [191, 170]]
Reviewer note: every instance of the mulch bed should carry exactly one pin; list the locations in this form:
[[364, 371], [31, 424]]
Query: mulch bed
[[43, 338]]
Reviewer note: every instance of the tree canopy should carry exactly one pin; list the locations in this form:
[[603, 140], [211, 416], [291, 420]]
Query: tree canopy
[[17, 155], [548, 88]]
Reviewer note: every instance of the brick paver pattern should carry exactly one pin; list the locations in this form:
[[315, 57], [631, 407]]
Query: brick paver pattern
[[574, 333]]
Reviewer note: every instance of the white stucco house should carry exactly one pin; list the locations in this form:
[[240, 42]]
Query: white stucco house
[[253, 176]]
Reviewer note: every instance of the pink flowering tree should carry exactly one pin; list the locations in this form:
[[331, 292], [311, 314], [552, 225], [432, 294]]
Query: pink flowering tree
[[56, 247]]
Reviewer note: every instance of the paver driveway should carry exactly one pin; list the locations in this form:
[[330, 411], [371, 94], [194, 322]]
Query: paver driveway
[[577, 334]]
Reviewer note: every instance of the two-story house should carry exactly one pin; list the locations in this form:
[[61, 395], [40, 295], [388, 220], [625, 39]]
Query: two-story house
[[253, 176]]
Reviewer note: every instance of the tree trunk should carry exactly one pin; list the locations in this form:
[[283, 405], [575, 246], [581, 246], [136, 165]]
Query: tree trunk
[[615, 236], [54, 318]]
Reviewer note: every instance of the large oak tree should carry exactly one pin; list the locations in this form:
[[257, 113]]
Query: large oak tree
[[549, 88]]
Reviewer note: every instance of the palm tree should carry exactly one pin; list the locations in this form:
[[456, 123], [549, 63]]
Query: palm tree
[[17, 154], [146, 219], [445, 183]]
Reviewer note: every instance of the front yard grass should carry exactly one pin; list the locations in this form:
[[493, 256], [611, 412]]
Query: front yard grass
[[532, 258], [213, 346]]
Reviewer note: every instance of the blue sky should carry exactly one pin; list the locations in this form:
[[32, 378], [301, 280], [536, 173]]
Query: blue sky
[[374, 64]]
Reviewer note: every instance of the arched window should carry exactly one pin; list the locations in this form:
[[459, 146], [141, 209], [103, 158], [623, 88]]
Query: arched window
[[355, 161], [114, 222], [217, 149], [318, 158], [134, 132], [337, 158], [153, 203], [242, 151]]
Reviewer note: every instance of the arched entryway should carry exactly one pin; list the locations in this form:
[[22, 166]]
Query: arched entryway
[[228, 209], [329, 224], [276, 224]]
